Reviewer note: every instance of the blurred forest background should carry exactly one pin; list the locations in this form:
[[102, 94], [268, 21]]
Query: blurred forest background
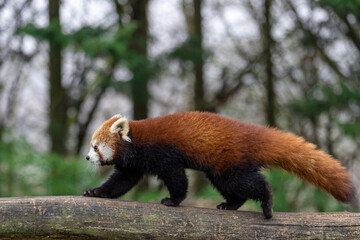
[[66, 66]]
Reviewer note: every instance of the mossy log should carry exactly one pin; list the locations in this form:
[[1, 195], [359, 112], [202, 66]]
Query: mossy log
[[94, 218]]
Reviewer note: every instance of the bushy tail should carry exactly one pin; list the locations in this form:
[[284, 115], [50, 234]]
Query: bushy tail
[[295, 155]]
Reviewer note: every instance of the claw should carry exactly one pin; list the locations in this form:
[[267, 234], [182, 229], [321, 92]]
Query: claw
[[222, 206], [168, 202], [94, 192]]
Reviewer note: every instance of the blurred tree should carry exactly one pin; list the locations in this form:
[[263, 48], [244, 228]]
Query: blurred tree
[[192, 50], [12, 74], [192, 12], [349, 15], [328, 81], [330, 100], [269, 76], [126, 46], [312, 106], [62, 98], [58, 126], [139, 65]]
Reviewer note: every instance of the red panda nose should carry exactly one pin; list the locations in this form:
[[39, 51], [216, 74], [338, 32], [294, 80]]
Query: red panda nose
[[87, 158]]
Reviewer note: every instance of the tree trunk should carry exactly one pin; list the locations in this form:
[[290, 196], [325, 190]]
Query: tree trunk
[[192, 13], [199, 95], [269, 76], [139, 67], [58, 97], [95, 218]]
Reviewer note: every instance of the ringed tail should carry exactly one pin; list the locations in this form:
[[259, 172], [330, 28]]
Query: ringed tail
[[293, 154]]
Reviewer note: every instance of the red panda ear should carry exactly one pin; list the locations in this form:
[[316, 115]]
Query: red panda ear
[[121, 126]]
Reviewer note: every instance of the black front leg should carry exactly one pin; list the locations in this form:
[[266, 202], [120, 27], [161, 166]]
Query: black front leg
[[119, 183], [177, 184]]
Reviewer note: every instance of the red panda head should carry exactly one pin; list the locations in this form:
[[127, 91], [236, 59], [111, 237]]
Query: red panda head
[[107, 140]]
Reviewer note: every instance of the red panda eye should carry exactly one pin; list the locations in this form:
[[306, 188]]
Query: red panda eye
[[95, 147]]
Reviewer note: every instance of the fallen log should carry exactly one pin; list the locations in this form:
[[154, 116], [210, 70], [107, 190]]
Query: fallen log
[[95, 218]]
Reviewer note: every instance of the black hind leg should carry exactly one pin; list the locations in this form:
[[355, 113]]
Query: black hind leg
[[233, 201], [266, 201], [238, 185]]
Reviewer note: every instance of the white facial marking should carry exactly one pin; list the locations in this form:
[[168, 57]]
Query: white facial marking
[[106, 151], [94, 156]]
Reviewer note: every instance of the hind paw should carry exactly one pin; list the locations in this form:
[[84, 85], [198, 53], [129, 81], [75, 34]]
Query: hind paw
[[267, 211], [227, 206]]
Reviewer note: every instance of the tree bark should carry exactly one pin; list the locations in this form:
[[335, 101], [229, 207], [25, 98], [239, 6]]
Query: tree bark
[[58, 97], [139, 67], [193, 17], [95, 218], [269, 82], [199, 92]]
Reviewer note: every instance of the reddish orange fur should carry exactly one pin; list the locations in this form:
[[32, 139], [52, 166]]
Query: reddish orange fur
[[222, 143]]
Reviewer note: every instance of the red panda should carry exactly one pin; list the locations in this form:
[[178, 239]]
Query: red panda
[[231, 154]]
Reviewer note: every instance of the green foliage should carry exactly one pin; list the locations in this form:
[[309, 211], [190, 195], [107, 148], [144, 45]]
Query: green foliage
[[25, 172], [351, 129], [111, 44], [343, 7], [292, 194], [53, 32], [308, 107], [190, 51], [94, 41], [209, 192], [19, 167], [342, 95], [327, 99], [68, 176], [99, 42]]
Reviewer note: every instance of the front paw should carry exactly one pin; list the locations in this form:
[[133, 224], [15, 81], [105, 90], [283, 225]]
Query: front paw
[[95, 192], [168, 202]]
